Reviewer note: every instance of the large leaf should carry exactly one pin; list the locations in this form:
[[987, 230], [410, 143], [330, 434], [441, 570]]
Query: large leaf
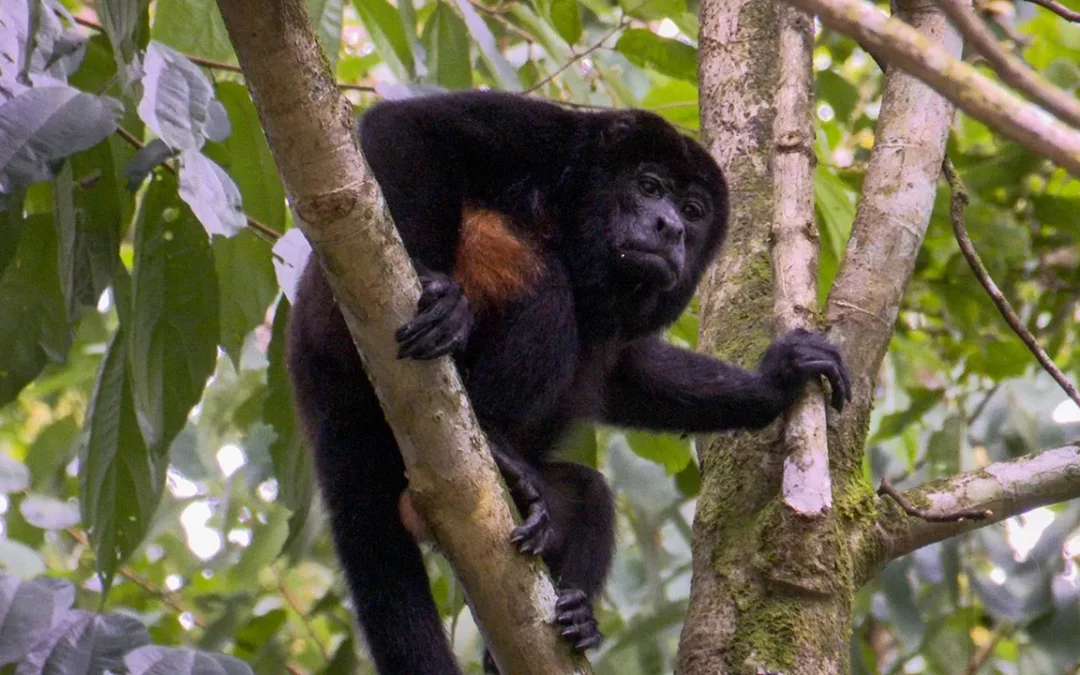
[[83, 643], [664, 55], [246, 278], [564, 16], [174, 336], [671, 452], [447, 41], [193, 27], [383, 24], [42, 125], [292, 464], [120, 481], [27, 609], [249, 161], [176, 98], [211, 194], [326, 16], [35, 46], [33, 318], [153, 660], [503, 72]]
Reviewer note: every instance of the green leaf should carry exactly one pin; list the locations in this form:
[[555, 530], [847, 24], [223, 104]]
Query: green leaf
[[894, 423], [174, 336], [246, 278], [193, 27], [447, 41], [648, 50], [33, 317], [49, 513], [945, 445], [120, 481], [671, 452], [501, 70], [326, 16], [564, 16], [836, 212], [102, 208], [383, 25], [249, 160], [266, 543], [837, 92], [292, 463]]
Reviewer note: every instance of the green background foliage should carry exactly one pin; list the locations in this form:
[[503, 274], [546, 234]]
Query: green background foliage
[[150, 465]]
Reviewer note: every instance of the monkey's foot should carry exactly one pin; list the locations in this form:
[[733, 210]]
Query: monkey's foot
[[536, 536], [573, 612], [442, 323]]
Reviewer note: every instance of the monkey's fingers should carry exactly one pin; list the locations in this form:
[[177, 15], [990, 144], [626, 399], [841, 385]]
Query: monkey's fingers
[[833, 372], [533, 537]]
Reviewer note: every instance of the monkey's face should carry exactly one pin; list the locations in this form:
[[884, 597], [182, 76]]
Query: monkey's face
[[660, 226]]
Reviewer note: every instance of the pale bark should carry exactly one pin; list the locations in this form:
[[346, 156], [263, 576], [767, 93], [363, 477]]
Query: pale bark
[[977, 95], [1006, 489], [807, 486], [452, 477]]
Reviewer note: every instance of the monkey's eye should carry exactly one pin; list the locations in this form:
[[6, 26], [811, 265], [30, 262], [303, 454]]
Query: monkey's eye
[[693, 211], [650, 186]]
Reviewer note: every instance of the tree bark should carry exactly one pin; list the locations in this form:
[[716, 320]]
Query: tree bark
[[772, 590], [452, 477]]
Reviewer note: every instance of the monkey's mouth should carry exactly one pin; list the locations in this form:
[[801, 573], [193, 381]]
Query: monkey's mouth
[[649, 265]]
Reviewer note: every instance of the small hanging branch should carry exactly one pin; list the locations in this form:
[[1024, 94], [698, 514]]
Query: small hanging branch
[[886, 489]]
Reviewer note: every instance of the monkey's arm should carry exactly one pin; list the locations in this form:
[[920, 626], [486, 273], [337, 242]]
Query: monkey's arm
[[658, 386]]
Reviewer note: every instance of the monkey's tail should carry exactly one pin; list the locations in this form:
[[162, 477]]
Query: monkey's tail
[[383, 564]]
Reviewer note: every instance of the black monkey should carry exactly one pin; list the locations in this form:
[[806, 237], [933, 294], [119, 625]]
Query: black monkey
[[552, 246]]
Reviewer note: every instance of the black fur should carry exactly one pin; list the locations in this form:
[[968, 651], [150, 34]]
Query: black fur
[[625, 214]]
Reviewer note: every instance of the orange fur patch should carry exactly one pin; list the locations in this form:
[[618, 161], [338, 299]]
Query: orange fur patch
[[493, 264]]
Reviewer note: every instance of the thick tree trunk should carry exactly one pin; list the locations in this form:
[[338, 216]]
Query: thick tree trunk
[[772, 589]]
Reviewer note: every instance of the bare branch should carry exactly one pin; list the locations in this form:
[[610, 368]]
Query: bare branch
[[580, 55], [1013, 71], [894, 212], [1005, 489], [452, 477], [974, 93], [1059, 9], [886, 489], [959, 201], [807, 486]]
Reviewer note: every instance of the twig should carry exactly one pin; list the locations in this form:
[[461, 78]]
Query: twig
[[979, 657], [1059, 9], [886, 489], [959, 201], [262, 230], [218, 65], [165, 596], [295, 606], [580, 55], [1013, 70]]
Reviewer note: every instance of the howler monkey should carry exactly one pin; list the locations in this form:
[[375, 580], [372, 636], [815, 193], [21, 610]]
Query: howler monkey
[[552, 247]]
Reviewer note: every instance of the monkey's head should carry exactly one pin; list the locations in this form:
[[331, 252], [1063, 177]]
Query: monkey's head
[[656, 206]]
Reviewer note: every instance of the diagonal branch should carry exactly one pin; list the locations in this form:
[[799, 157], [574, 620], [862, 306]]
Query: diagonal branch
[[1012, 70], [977, 95], [959, 201], [452, 476], [1059, 9], [1006, 489], [890, 222]]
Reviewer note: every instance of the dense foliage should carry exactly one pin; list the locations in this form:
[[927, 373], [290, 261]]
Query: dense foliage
[[148, 452]]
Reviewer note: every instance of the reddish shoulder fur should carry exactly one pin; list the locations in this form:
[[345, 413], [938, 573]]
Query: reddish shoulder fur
[[493, 264]]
